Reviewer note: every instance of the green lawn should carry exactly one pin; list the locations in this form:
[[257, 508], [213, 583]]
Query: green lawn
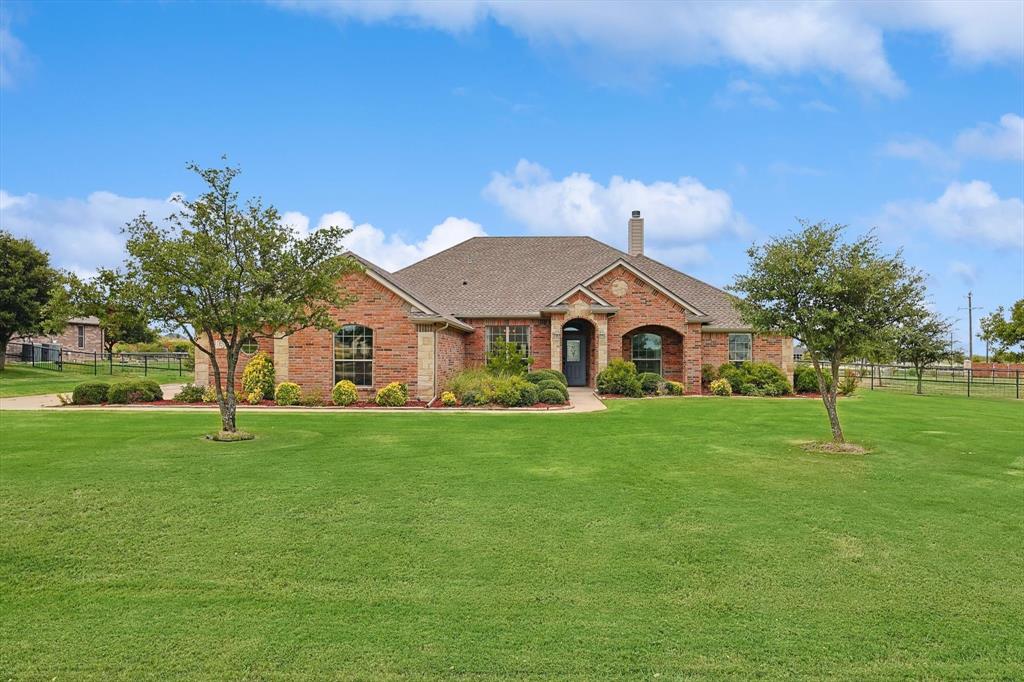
[[17, 379], [673, 538]]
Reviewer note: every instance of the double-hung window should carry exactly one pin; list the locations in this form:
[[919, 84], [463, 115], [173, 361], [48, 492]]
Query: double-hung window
[[517, 334], [81, 336], [740, 347], [647, 353], [353, 355]]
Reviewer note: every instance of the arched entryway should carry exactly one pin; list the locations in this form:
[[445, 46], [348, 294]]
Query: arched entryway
[[578, 352], [658, 349]]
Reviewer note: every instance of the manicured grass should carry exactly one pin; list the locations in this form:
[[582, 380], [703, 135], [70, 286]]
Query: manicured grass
[[16, 379], [671, 537]]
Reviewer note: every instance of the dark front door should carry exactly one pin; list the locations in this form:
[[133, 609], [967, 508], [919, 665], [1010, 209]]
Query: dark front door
[[574, 357]]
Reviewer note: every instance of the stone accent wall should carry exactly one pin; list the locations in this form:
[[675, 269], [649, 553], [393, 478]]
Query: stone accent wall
[[540, 340], [68, 339], [424, 362], [281, 359]]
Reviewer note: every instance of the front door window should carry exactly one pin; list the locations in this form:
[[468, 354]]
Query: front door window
[[572, 350]]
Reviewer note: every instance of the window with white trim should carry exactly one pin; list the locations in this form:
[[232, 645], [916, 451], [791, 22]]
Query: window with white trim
[[514, 333], [353, 355], [647, 353], [740, 347], [250, 345]]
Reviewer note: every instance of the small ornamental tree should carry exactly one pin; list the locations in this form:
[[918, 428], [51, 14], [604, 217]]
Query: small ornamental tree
[[921, 340], [108, 297], [31, 292], [507, 359], [220, 272], [1006, 332], [835, 297]]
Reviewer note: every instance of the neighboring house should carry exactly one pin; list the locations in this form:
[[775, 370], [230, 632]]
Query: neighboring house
[[81, 334], [573, 304], [799, 352]]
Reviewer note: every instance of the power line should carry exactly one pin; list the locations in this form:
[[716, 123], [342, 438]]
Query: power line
[[970, 308]]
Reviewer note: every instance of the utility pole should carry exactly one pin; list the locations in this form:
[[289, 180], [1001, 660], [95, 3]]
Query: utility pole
[[970, 325]]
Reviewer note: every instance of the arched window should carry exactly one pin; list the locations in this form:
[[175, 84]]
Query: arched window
[[353, 355], [647, 353]]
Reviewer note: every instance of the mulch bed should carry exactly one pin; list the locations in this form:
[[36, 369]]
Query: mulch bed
[[362, 404]]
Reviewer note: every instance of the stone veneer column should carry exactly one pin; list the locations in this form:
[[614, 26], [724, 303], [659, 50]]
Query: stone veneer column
[[281, 359], [424, 361], [202, 369], [556, 341], [601, 323]]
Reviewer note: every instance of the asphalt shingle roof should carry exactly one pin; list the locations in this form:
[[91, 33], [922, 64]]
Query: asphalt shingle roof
[[517, 276]]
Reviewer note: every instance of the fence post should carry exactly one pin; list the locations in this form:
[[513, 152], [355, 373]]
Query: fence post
[[872, 377], [95, 365], [1018, 384], [110, 359], [145, 365], [969, 382], [179, 365]]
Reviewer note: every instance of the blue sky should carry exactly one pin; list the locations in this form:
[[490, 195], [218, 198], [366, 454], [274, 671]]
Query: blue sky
[[423, 124]]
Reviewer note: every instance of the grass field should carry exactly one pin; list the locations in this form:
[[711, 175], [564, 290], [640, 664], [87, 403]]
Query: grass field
[[667, 538], [16, 379]]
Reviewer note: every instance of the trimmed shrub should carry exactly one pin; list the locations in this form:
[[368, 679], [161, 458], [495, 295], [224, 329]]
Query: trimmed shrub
[[530, 395], [751, 390], [557, 374], [392, 395], [473, 397], [541, 374], [209, 394], [287, 393], [675, 388], [134, 391], [619, 377], [258, 378], [90, 393], [555, 385], [708, 373], [763, 378], [190, 393], [848, 384], [806, 381], [651, 383], [448, 399], [509, 391], [551, 396], [720, 387], [344, 393]]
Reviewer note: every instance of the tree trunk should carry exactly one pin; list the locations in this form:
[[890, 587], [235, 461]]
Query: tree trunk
[[3, 354], [225, 389], [828, 396], [227, 413]]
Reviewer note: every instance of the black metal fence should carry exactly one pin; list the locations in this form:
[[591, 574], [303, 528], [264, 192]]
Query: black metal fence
[[53, 357], [990, 382]]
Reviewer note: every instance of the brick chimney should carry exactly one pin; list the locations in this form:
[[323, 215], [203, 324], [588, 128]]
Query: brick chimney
[[636, 235]]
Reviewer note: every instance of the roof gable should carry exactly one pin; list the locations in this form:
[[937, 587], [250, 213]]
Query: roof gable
[[672, 296]]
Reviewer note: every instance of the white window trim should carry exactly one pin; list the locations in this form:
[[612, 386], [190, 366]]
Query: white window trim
[[661, 356], [372, 360], [750, 354], [507, 334]]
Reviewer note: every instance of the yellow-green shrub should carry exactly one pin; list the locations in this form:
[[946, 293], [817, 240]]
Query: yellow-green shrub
[[344, 393], [721, 387], [394, 394], [287, 393], [448, 399], [258, 378]]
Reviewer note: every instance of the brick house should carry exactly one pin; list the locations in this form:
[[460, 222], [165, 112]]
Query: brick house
[[81, 334], [573, 303]]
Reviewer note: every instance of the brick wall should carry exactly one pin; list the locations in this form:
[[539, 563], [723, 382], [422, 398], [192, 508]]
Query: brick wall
[[450, 356], [986, 370], [68, 338], [777, 350], [540, 339]]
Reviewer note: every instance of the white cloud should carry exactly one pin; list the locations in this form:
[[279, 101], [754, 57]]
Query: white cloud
[[739, 90], [1002, 141], [965, 271], [12, 51], [80, 234], [818, 105], [674, 212], [970, 212], [922, 150], [841, 38], [390, 252]]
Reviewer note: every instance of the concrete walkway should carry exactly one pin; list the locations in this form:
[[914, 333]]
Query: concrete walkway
[[580, 400]]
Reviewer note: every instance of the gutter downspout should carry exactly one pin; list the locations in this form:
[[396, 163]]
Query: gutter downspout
[[436, 330]]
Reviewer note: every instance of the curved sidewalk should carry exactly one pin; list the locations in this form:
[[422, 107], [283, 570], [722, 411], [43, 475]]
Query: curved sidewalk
[[580, 400]]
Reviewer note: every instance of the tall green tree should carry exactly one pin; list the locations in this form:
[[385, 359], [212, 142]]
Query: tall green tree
[[108, 296], [837, 298], [220, 272], [1005, 330], [30, 292], [922, 340]]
